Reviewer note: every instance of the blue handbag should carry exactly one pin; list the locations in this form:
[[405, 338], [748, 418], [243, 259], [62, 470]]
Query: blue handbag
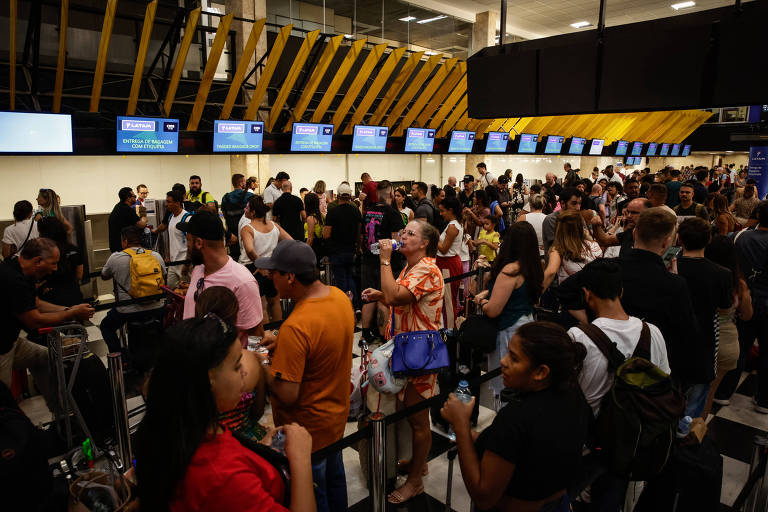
[[418, 352]]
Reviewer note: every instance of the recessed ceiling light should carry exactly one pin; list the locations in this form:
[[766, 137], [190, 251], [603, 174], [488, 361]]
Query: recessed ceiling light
[[428, 20], [683, 5], [581, 24], [430, 53], [408, 18], [348, 36]]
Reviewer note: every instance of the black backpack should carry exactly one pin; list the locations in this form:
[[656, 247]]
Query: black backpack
[[637, 423]]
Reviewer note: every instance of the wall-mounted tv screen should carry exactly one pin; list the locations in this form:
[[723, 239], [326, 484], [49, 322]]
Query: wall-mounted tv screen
[[461, 142], [527, 143], [675, 150], [311, 137], [370, 138], [686, 150], [596, 148], [554, 145], [577, 146], [147, 135], [652, 147], [496, 142], [237, 136], [419, 140], [22, 132], [621, 147], [637, 149], [634, 160], [664, 151]]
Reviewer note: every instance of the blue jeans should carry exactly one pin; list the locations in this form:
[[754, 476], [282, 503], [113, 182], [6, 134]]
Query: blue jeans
[[330, 484], [696, 399], [341, 267], [502, 347]]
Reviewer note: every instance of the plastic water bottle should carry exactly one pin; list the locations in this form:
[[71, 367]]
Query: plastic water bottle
[[254, 345], [684, 426], [376, 247], [462, 393], [278, 442]]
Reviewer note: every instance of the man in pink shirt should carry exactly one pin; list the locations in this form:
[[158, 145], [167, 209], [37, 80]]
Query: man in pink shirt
[[213, 267], [368, 193]]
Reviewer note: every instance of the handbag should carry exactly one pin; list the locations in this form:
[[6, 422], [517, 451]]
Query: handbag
[[380, 374], [418, 352], [479, 331]]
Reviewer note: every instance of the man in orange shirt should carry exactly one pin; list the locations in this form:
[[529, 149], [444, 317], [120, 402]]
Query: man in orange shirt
[[308, 378]]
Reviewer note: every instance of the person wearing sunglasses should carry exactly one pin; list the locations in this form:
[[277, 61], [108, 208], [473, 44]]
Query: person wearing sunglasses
[[214, 267], [308, 379]]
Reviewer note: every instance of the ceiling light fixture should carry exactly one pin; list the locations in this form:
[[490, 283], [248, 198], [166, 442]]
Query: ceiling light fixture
[[430, 53], [408, 18], [581, 24], [348, 36], [428, 20], [683, 5]]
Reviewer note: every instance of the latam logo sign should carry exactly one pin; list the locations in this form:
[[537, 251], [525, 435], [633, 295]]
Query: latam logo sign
[[306, 130], [231, 127], [365, 131], [134, 125]]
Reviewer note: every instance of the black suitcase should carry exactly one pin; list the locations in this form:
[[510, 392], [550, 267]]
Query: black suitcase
[[144, 339], [92, 394]]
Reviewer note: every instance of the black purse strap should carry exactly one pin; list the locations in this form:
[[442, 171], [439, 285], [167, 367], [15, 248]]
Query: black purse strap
[[31, 225]]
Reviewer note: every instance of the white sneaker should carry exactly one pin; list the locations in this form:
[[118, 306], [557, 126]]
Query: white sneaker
[[722, 402]]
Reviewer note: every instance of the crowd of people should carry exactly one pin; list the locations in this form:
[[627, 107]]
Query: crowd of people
[[670, 265]]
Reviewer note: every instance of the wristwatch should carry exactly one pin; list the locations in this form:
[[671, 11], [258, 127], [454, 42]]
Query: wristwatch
[[385, 262]]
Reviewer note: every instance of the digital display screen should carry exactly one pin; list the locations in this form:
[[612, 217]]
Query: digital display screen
[[637, 149], [634, 160], [527, 143], [651, 151], [664, 150], [311, 137], [237, 136], [370, 138], [554, 145], [686, 150], [496, 142], [675, 150], [621, 147], [461, 142], [22, 132], [419, 140], [577, 146], [147, 135], [596, 149]]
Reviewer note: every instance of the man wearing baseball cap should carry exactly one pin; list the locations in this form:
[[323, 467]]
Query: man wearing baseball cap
[[342, 233], [308, 377], [213, 267], [467, 196]]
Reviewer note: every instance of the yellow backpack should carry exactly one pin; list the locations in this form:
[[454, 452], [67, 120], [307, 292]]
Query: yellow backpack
[[146, 273]]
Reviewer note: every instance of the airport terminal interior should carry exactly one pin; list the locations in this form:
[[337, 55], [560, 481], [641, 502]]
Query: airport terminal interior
[[376, 255]]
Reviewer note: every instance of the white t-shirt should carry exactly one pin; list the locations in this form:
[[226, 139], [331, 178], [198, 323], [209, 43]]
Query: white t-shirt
[[271, 193], [536, 219], [486, 180], [615, 178], [595, 381], [15, 234], [177, 240], [455, 247], [244, 259]]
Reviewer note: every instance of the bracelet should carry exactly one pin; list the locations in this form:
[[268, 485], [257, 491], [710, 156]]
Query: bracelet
[[385, 262]]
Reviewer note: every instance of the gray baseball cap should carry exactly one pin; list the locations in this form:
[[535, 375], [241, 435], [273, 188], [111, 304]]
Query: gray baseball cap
[[289, 256]]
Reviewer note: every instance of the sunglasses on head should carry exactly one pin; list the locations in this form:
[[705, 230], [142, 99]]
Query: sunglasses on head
[[199, 287], [222, 323]]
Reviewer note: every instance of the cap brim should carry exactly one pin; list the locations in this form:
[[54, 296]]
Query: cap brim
[[266, 263], [183, 226]]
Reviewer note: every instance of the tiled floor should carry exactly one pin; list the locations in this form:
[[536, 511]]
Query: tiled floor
[[732, 428]]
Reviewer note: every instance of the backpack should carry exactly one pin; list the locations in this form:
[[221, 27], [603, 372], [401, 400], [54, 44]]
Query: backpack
[[146, 273], [637, 422]]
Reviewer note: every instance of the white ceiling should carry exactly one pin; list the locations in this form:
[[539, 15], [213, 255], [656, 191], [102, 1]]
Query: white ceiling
[[533, 19]]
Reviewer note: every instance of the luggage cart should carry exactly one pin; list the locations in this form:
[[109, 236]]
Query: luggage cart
[[174, 307], [67, 342]]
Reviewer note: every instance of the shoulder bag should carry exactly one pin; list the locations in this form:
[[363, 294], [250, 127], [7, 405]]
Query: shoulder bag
[[418, 352]]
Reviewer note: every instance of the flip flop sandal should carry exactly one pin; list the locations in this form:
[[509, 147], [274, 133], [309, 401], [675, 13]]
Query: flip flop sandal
[[396, 497]]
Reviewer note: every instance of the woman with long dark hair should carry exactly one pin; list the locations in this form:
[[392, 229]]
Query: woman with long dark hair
[[495, 206], [313, 227], [515, 287], [571, 250], [449, 247], [185, 460], [518, 194], [526, 459]]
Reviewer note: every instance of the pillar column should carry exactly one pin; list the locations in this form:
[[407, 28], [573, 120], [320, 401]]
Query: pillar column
[[484, 30]]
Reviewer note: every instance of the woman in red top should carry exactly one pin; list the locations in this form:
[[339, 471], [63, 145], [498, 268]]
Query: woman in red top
[[185, 460]]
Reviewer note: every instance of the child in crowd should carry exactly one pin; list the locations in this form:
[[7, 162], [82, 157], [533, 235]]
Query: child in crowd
[[487, 243]]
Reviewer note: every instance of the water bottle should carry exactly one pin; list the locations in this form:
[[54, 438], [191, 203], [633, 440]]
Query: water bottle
[[254, 345], [278, 442], [375, 247], [462, 393], [684, 427]]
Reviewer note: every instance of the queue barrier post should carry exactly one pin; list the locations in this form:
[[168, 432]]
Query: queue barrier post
[[758, 479], [120, 409], [378, 462], [327, 277]]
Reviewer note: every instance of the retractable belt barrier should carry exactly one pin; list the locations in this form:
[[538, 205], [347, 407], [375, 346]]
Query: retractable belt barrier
[[461, 276], [169, 264]]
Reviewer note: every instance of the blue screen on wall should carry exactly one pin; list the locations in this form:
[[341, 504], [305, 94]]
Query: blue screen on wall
[[419, 140], [664, 150], [527, 143], [651, 151], [637, 149], [22, 132], [621, 147], [554, 145], [675, 150], [461, 142], [147, 135], [496, 142], [596, 148], [577, 146], [370, 138], [311, 137], [237, 136], [686, 150]]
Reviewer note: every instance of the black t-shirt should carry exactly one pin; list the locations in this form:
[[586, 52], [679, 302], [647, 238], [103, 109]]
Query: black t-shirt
[[287, 209], [626, 241], [379, 222], [345, 221], [694, 210], [557, 189], [467, 201], [18, 297], [62, 287], [711, 287], [121, 217], [542, 434], [587, 203]]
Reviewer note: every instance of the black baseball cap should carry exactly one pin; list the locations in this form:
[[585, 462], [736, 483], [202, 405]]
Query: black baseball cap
[[291, 256], [203, 225], [503, 179], [468, 178]]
